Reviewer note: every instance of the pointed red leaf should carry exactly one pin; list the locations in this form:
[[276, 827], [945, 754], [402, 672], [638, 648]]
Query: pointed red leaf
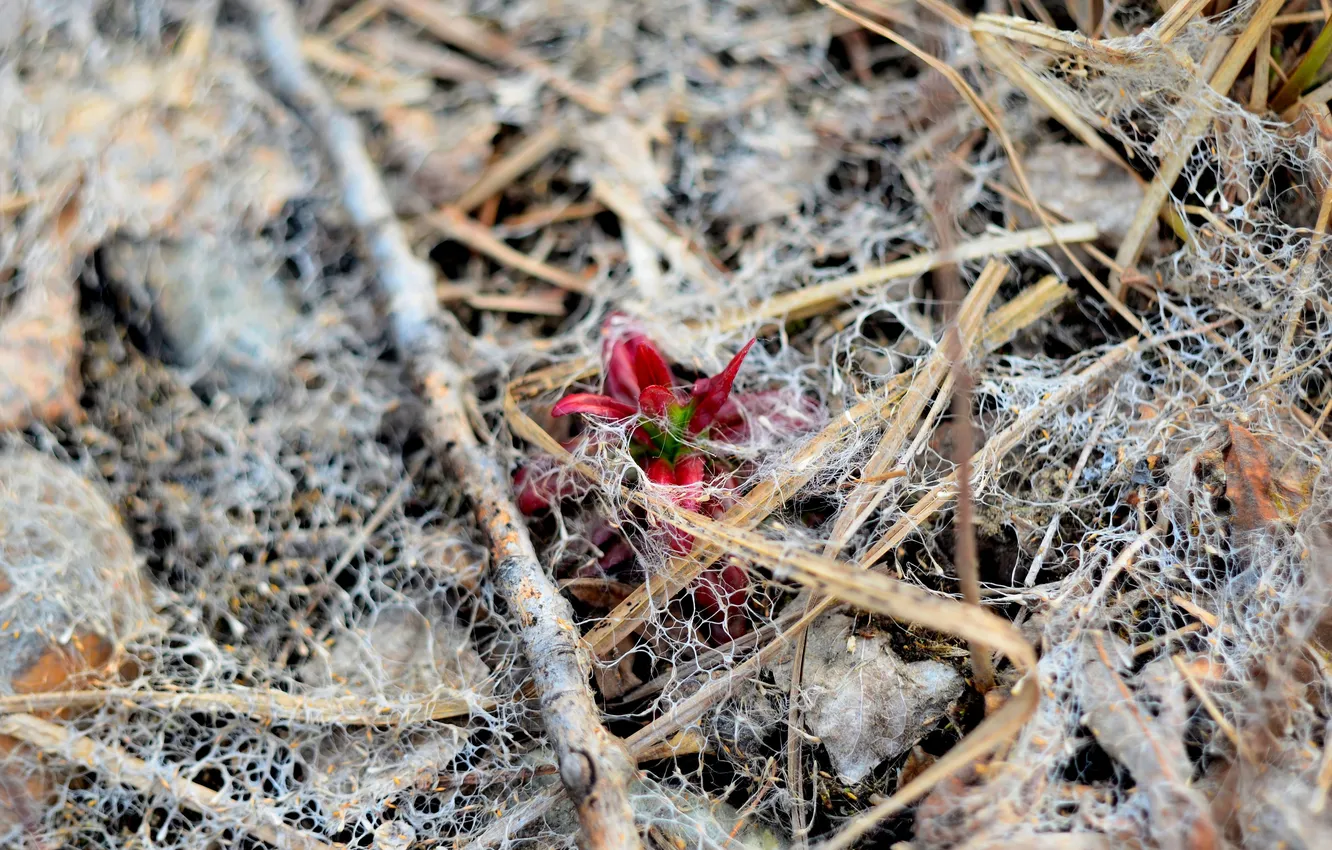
[[591, 404], [660, 471], [630, 361], [711, 393], [649, 366], [621, 383], [655, 401], [689, 470]]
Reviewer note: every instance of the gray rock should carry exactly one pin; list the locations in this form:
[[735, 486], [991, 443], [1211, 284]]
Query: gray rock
[[215, 303], [1080, 185], [868, 705], [70, 588]]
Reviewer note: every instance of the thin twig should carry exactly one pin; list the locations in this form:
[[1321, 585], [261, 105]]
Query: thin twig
[[511, 166], [594, 767], [478, 237], [267, 705]]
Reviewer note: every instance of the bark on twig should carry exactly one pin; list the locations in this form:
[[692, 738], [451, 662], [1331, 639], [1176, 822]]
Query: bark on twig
[[593, 764]]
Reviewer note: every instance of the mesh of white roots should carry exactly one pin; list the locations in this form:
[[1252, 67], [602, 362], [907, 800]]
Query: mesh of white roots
[[243, 510]]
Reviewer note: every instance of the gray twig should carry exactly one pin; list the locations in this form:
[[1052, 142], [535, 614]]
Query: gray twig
[[593, 764]]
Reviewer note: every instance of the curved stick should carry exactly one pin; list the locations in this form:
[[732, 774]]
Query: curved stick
[[593, 764]]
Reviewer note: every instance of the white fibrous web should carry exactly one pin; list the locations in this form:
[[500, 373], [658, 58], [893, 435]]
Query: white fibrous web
[[285, 631]]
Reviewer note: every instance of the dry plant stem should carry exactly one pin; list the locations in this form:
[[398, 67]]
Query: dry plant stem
[[478, 237], [594, 767], [965, 558], [467, 35], [863, 499], [1130, 249], [265, 705], [525, 155], [815, 299], [113, 761], [1262, 55]]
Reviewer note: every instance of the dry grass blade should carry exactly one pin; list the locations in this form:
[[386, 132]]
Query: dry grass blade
[[1072, 44], [1177, 17], [478, 237], [1159, 190], [60, 743], [265, 705], [812, 300], [524, 156]]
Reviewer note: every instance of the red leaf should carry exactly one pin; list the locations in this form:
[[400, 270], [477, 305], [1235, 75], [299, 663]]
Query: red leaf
[[689, 469], [655, 401], [621, 382], [660, 471], [592, 404], [629, 360], [649, 366], [712, 393]]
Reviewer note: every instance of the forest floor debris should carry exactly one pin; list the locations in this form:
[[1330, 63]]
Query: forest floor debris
[[290, 295]]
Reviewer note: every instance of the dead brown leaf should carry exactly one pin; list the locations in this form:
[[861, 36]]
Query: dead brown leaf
[[600, 593], [1249, 481], [1266, 481], [40, 344]]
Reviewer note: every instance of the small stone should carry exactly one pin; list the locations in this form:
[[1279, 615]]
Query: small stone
[[392, 835], [404, 652], [70, 595], [214, 303], [869, 705]]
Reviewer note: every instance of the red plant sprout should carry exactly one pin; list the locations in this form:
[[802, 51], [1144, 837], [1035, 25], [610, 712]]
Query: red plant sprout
[[665, 422]]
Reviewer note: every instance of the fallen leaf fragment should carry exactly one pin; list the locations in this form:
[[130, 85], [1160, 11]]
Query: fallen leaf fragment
[[1248, 481], [40, 345]]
